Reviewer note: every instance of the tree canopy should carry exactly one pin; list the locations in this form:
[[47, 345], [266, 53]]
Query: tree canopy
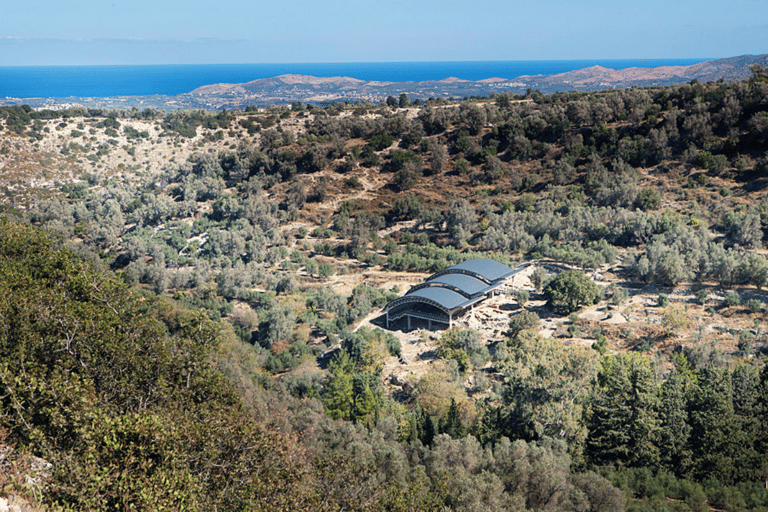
[[570, 290]]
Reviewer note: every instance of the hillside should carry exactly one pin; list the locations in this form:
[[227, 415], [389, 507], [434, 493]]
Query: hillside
[[290, 228], [597, 77]]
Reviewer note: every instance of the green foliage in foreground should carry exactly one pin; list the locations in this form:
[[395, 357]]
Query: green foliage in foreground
[[118, 392]]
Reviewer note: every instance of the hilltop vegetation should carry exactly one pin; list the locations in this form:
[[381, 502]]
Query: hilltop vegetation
[[211, 281]]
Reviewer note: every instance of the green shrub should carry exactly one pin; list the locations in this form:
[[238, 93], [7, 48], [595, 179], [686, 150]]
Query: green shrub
[[601, 345], [619, 296], [570, 290], [280, 362], [648, 199], [381, 141], [539, 277], [522, 321], [732, 298]]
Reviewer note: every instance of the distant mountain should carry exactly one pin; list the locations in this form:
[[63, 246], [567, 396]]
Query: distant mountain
[[309, 89], [597, 77], [285, 89]]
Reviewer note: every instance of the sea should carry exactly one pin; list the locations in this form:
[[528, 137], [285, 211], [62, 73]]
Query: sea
[[110, 81]]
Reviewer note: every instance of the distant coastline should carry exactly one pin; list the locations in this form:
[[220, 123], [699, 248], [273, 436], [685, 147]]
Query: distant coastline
[[111, 81]]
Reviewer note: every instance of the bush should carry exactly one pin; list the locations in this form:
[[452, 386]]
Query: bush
[[732, 299], [398, 160], [539, 277], [393, 344], [465, 346], [280, 362], [570, 290], [619, 296], [461, 166], [406, 208], [408, 176], [381, 141], [522, 321], [601, 345], [648, 199], [746, 341], [325, 270]]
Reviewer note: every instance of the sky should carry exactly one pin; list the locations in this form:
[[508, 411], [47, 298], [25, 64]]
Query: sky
[[99, 32]]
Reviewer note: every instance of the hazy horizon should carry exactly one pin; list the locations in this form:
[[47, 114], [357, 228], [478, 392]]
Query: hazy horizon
[[584, 60], [176, 32], [138, 80]]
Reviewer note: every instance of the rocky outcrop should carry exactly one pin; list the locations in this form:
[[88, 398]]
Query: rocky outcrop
[[23, 479]]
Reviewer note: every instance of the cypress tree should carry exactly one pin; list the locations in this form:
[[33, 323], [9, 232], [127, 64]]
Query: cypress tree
[[713, 426], [624, 421], [430, 430], [675, 430], [645, 423], [452, 424], [761, 414], [748, 457]]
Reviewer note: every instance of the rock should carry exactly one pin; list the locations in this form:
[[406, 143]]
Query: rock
[[40, 470], [33, 473], [16, 504]]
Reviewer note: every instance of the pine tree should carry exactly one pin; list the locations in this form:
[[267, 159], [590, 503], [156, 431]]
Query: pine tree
[[675, 430], [452, 424], [624, 420], [365, 400], [430, 430], [339, 394], [746, 405], [761, 413], [713, 426]]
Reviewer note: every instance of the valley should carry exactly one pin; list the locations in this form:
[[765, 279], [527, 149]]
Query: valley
[[281, 233]]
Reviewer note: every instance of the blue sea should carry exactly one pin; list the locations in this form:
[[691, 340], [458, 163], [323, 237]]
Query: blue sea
[[104, 81]]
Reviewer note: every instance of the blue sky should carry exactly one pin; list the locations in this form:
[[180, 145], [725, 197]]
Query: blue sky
[[81, 32]]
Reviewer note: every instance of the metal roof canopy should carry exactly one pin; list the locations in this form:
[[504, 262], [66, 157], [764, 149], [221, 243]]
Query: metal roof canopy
[[464, 284], [451, 291], [487, 270], [443, 298]]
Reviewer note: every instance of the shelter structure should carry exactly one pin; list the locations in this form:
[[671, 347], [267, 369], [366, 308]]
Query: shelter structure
[[448, 295]]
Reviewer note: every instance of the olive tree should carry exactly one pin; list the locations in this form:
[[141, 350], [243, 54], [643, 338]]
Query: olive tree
[[570, 290]]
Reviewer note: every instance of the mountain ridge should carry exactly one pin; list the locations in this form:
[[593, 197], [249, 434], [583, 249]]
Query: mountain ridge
[[289, 88], [306, 88]]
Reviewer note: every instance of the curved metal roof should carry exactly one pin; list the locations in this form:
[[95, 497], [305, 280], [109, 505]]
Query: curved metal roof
[[449, 299], [487, 270], [444, 298], [462, 283], [457, 287]]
